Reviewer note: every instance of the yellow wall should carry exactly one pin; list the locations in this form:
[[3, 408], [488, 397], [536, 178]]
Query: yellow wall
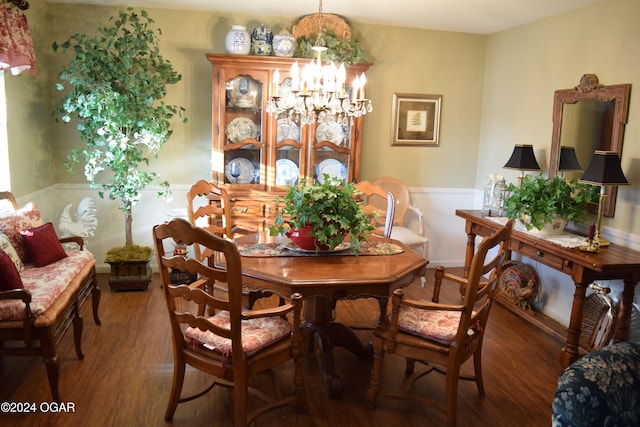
[[525, 65], [406, 61], [497, 91]]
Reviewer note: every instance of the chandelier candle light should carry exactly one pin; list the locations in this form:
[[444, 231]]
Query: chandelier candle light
[[318, 91]]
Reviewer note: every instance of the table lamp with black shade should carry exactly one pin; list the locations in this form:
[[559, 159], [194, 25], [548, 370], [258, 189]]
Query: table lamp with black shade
[[568, 160], [605, 169], [523, 159]]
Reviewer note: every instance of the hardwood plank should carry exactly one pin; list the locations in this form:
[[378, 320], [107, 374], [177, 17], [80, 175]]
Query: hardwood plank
[[125, 377]]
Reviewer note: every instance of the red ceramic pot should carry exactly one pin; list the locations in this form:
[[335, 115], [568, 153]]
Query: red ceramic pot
[[302, 238]]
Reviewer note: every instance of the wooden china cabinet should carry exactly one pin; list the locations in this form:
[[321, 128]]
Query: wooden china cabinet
[[255, 154]]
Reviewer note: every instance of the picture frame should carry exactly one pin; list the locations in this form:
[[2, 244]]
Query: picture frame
[[416, 119]]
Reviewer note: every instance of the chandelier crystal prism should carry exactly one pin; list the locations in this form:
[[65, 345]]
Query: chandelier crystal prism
[[318, 92]]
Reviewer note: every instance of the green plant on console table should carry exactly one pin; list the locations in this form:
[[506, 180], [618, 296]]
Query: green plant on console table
[[538, 200], [331, 208]]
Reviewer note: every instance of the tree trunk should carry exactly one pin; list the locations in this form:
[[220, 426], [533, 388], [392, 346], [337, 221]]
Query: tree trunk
[[128, 220]]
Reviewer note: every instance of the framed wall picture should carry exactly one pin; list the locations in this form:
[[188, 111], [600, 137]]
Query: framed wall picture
[[415, 119]]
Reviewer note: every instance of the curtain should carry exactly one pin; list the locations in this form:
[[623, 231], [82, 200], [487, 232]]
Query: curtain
[[16, 46]]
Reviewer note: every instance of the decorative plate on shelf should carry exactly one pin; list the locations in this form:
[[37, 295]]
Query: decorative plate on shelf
[[284, 88], [241, 128], [334, 168], [246, 171], [286, 172], [243, 92], [330, 132], [287, 130]]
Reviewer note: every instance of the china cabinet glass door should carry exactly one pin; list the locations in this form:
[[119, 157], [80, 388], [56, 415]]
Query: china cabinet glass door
[[242, 126], [256, 154], [331, 152], [291, 140]]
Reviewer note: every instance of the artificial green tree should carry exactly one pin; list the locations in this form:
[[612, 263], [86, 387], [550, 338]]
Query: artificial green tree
[[113, 92]]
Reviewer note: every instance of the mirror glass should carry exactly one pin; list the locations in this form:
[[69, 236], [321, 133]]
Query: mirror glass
[[589, 117]]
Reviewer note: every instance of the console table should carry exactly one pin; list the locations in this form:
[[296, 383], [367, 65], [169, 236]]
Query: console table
[[610, 263]]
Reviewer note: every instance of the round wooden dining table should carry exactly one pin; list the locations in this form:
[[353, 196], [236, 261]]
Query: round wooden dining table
[[323, 278]]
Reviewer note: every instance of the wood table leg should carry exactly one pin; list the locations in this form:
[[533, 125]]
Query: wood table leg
[[327, 335], [471, 246], [624, 313], [324, 352], [570, 352]]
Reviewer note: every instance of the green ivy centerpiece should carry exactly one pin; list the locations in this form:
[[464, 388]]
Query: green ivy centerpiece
[[538, 202], [329, 210]]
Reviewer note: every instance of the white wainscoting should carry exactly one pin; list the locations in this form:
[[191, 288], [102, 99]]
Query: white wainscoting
[[447, 239], [445, 230]]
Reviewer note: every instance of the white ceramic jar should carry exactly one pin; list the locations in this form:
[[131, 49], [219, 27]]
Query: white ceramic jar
[[284, 44], [238, 41]]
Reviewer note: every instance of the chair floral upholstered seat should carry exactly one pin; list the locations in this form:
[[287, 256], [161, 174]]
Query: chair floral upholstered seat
[[256, 333], [437, 325], [442, 336], [217, 335]]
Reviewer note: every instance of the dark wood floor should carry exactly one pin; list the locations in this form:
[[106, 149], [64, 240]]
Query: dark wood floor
[[125, 377]]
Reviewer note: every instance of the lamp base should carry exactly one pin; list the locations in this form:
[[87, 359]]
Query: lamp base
[[593, 245], [590, 247]]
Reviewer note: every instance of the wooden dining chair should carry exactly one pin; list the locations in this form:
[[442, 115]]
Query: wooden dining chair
[[379, 205], [208, 207], [442, 336], [408, 224], [217, 335]]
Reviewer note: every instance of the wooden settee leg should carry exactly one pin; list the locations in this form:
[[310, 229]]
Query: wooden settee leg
[[95, 300], [50, 356], [77, 331]]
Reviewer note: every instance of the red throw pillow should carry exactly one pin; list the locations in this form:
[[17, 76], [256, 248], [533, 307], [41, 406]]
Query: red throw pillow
[[42, 245], [9, 276], [22, 219]]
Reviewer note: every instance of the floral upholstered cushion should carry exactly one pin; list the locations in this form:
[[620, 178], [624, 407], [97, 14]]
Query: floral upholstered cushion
[[256, 333], [10, 251], [601, 388], [45, 284], [9, 275], [436, 325], [22, 219]]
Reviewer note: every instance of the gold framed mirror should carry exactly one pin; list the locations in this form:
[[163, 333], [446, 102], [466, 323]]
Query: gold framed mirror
[[589, 117]]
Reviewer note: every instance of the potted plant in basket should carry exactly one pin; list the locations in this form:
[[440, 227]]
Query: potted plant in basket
[[547, 205], [114, 89], [318, 216]]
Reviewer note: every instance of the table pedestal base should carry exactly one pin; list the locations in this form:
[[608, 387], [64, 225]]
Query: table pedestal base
[[326, 336]]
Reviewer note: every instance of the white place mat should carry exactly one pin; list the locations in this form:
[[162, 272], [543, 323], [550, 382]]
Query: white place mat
[[567, 240]]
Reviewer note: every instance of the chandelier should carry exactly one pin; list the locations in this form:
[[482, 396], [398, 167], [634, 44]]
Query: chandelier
[[318, 91]]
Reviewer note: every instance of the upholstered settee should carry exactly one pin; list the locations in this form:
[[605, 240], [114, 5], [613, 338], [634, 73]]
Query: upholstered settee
[[43, 287], [601, 388]]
